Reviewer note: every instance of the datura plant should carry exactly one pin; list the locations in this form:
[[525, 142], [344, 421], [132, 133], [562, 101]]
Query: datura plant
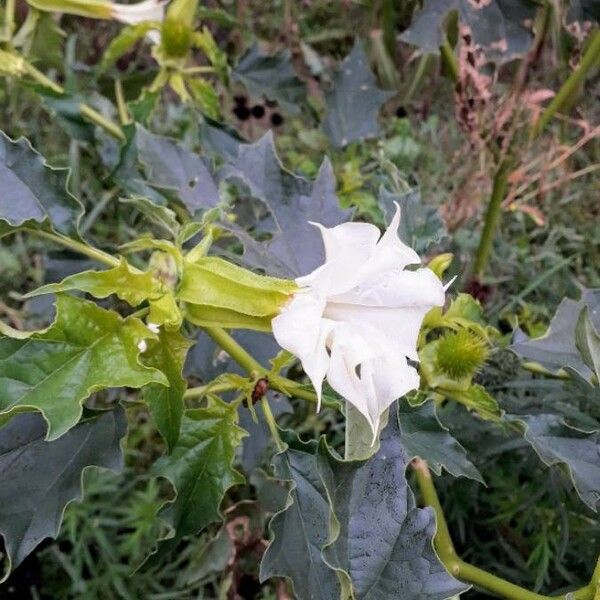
[[238, 316]]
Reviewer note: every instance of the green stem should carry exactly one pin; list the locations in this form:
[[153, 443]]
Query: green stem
[[272, 424], [121, 104], [9, 20], [492, 218], [590, 58], [90, 251], [417, 78], [255, 369], [449, 59], [471, 574], [214, 388], [84, 109]]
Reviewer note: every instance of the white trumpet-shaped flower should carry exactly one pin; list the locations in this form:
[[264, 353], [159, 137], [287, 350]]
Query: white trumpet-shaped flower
[[356, 319]]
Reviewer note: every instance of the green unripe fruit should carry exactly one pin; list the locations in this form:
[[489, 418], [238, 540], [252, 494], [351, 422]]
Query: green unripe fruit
[[461, 354], [176, 38]]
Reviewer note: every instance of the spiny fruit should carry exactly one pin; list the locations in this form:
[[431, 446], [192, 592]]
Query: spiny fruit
[[461, 354]]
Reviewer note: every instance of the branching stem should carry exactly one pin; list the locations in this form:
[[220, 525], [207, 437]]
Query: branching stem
[[470, 574]]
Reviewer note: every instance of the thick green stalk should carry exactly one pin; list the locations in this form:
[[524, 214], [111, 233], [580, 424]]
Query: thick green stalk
[[590, 59], [255, 369], [80, 247], [9, 20], [471, 574], [215, 388], [272, 424], [492, 218], [449, 59]]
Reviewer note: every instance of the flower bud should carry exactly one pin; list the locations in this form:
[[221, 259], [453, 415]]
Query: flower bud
[[178, 27]]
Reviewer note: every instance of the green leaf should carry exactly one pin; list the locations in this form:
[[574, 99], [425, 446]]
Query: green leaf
[[40, 478], [354, 101], [271, 75], [384, 543], [423, 435], [557, 348], [166, 403], [296, 247], [33, 193], [85, 350], [123, 42], [301, 529], [558, 443], [499, 27], [131, 286], [155, 213], [200, 466], [161, 169]]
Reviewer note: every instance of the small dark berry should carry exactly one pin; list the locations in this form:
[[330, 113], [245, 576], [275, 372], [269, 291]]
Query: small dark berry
[[241, 100], [258, 111], [401, 112], [276, 119], [242, 113]]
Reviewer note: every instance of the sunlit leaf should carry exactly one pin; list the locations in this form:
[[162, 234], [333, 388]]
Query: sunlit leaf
[[168, 355], [86, 349], [199, 466]]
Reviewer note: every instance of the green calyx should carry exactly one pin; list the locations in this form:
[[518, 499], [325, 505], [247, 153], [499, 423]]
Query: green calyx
[[217, 293], [460, 354]]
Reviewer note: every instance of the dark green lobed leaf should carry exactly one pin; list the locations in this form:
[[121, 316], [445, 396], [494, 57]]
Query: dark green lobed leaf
[[423, 435], [558, 443], [296, 247], [33, 193], [40, 478], [354, 101], [271, 75]]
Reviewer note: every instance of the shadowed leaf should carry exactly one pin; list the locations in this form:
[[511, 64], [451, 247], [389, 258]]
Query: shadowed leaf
[[40, 478], [354, 101]]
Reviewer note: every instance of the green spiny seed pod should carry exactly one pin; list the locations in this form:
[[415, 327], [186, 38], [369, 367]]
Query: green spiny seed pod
[[461, 354]]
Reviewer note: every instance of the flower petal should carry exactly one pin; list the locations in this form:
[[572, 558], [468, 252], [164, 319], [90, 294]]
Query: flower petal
[[347, 248], [301, 329], [391, 309], [367, 379]]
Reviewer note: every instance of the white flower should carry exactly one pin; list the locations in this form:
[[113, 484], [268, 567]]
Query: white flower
[[132, 14], [356, 318]]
